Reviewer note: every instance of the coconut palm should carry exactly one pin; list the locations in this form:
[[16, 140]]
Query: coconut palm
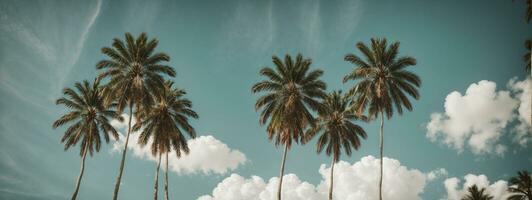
[[475, 194], [383, 83], [337, 130], [164, 125], [88, 116], [520, 186], [292, 91], [135, 74]]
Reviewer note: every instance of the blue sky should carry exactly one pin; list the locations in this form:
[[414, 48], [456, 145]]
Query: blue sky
[[217, 49]]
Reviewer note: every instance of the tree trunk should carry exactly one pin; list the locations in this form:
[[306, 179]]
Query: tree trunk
[[531, 84], [156, 187], [166, 179], [78, 182], [121, 171], [381, 153], [332, 180], [281, 174]]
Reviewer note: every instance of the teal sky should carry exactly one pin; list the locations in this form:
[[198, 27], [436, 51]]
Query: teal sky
[[217, 49]]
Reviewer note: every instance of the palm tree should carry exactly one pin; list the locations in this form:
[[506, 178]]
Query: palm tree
[[475, 194], [136, 74], [292, 91], [520, 186], [335, 124], [164, 125], [384, 82], [88, 116]]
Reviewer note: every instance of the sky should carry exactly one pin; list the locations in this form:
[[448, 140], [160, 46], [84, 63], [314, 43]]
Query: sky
[[470, 126]]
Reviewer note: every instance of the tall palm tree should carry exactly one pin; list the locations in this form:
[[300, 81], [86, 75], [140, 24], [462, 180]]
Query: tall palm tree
[[88, 116], [383, 82], [291, 92], [520, 186], [337, 130], [136, 74], [476, 194], [164, 124]]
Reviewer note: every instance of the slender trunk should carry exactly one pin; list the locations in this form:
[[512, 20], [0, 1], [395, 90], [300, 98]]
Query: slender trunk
[[332, 180], [121, 171], [281, 174], [156, 187], [381, 152], [78, 182], [531, 84], [166, 179]]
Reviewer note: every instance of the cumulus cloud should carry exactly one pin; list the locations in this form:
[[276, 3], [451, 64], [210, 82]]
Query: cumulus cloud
[[352, 181], [476, 118], [523, 92], [497, 189], [207, 154], [435, 174]]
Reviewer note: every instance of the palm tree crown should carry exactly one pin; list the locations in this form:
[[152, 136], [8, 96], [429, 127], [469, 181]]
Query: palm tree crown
[[135, 70], [292, 90], [384, 79], [337, 127], [166, 121], [520, 186], [476, 194], [88, 117]]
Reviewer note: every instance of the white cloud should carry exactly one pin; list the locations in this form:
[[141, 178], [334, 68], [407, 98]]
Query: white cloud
[[207, 154], [236, 187], [476, 118], [455, 191], [437, 173], [523, 92], [352, 181]]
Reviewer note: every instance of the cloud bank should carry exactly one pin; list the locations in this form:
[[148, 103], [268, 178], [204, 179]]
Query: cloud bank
[[479, 117], [522, 91], [352, 182], [455, 191], [207, 154]]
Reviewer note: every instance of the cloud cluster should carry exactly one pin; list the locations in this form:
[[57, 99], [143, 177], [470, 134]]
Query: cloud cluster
[[523, 92], [479, 117], [437, 173], [207, 154], [497, 189], [352, 181]]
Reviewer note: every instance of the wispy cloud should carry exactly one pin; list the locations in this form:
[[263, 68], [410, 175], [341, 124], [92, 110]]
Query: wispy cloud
[[81, 42]]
